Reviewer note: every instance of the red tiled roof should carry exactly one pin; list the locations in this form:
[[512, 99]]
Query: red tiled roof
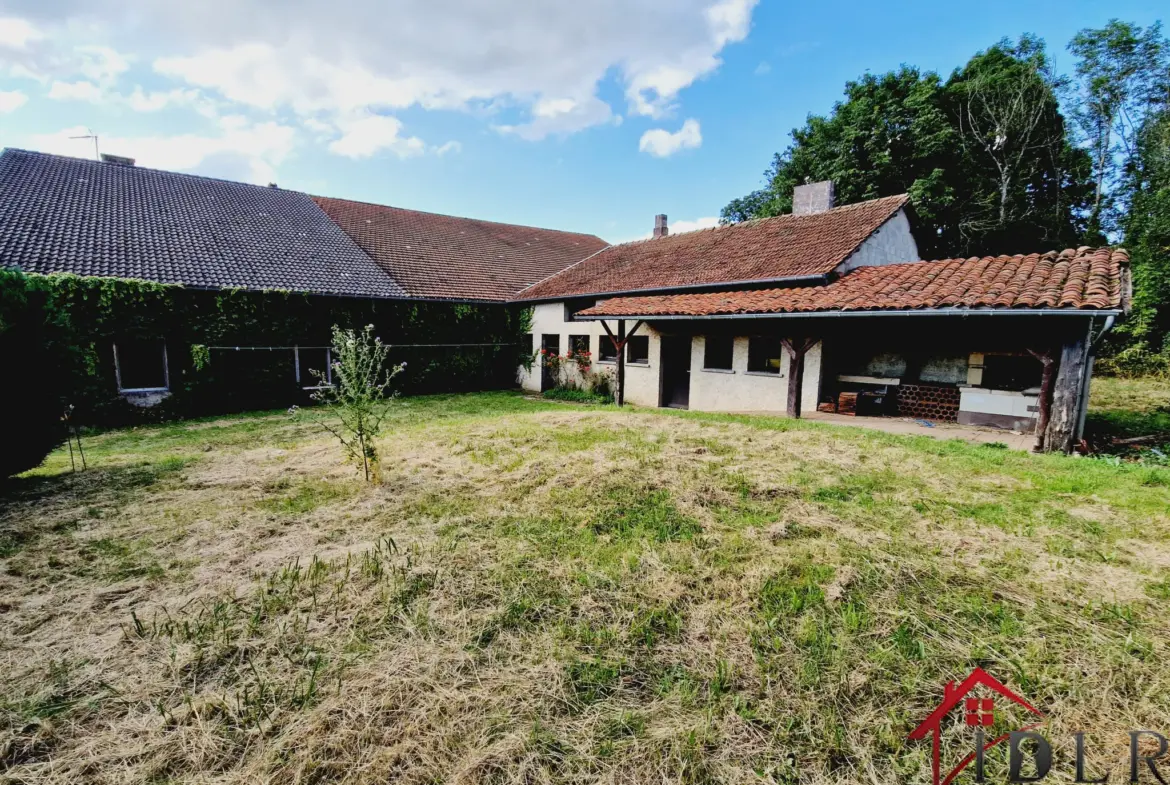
[[442, 256], [1085, 278], [766, 249]]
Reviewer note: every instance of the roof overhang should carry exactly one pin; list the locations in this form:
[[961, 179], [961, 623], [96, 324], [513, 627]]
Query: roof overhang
[[954, 312], [756, 283]]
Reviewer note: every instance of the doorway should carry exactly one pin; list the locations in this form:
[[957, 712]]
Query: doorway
[[552, 343], [676, 371]]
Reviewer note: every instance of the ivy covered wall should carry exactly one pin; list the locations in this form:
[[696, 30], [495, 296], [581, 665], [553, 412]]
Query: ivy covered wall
[[57, 336]]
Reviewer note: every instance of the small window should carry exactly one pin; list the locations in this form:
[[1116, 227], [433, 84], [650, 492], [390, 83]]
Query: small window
[[1011, 372], [764, 354], [718, 352], [141, 365], [579, 344], [314, 367], [638, 349], [606, 352]]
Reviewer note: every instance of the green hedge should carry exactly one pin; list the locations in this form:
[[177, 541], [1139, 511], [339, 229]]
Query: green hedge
[[59, 331]]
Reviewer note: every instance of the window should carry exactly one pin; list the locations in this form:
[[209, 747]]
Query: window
[[718, 352], [314, 366], [606, 353], [764, 354], [141, 365], [638, 349], [579, 344]]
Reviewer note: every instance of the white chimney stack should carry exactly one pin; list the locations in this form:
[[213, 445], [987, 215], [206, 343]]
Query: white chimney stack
[[813, 198], [660, 229]]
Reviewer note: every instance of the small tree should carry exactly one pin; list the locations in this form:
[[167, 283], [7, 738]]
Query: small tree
[[359, 394]]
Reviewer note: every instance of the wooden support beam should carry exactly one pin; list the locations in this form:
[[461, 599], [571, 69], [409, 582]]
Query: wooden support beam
[[796, 349], [621, 362], [1047, 359], [1066, 395], [619, 345]]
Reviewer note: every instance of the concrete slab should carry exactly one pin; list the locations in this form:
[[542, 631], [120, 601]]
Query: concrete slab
[[938, 430]]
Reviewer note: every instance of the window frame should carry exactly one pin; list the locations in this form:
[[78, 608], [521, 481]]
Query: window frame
[[707, 366], [328, 367], [165, 368], [573, 339], [754, 368], [605, 343], [630, 345]]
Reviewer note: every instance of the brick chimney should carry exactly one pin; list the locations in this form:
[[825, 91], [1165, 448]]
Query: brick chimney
[[660, 229], [812, 198]]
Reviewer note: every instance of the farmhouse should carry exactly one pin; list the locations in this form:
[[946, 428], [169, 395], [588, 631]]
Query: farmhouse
[[830, 308], [251, 279], [213, 290]]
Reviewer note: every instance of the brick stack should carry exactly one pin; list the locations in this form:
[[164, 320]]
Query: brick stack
[[929, 402], [847, 403]]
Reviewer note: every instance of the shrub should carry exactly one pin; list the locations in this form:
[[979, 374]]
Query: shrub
[[30, 430], [359, 394]]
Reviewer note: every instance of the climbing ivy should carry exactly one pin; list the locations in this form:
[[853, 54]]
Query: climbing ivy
[[78, 320]]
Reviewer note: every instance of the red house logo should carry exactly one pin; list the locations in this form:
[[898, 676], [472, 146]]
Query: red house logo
[[978, 713]]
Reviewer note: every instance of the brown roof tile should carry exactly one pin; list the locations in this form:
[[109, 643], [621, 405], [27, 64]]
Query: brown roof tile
[[766, 249], [1085, 278], [443, 256]]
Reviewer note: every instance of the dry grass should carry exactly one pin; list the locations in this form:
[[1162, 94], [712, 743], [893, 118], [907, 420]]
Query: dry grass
[[543, 593]]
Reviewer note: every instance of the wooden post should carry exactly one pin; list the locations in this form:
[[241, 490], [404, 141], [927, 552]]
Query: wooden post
[[1044, 400], [1066, 396], [796, 352], [621, 362]]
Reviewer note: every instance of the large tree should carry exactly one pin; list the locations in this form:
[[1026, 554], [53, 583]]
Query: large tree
[[985, 157]]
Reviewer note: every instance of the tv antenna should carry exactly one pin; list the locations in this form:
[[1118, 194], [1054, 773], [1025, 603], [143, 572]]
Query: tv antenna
[[89, 134]]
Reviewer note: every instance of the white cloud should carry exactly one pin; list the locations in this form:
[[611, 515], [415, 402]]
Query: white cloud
[[692, 226], [662, 143], [544, 62], [448, 147], [75, 91], [16, 33], [364, 136], [763, 68], [248, 152], [11, 100]]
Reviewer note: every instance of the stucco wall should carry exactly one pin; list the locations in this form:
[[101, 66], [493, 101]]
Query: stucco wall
[[711, 391], [893, 242], [740, 391], [641, 380]]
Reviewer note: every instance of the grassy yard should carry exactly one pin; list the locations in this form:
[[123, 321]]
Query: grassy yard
[[542, 592]]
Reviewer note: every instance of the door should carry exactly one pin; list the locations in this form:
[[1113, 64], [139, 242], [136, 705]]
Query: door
[[551, 343], [676, 371]]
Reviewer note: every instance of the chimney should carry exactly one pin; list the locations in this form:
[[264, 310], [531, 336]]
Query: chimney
[[812, 198], [119, 160], [660, 229]]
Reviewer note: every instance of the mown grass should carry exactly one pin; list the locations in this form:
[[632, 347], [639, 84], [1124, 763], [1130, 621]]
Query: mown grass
[[546, 593]]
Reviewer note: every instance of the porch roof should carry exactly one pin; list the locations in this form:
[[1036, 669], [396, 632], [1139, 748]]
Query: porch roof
[[1072, 281]]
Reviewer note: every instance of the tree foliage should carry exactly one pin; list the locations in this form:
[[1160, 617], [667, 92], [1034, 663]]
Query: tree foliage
[[985, 156]]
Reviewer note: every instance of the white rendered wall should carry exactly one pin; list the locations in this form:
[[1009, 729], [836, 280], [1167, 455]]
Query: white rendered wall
[[711, 391], [741, 391], [892, 243]]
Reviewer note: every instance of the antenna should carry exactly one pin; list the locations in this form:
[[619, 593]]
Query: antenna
[[89, 134]]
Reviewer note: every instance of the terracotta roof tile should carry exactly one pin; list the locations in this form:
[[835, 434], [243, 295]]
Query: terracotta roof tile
[[765, 249], [443, 256], [1085, 278]]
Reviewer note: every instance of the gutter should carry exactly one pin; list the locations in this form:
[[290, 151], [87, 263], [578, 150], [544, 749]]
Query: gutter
[[816, 278], [964, 312]]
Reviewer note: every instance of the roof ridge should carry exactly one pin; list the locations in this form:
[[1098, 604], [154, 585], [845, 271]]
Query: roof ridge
[[137, 168], [902, 198], [456, 217]]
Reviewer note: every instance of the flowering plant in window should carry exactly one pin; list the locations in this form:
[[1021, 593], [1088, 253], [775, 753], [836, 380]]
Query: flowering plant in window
[[583, 360]]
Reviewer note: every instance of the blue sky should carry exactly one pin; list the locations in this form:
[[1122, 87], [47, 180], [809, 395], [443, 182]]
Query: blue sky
[[583, 116]]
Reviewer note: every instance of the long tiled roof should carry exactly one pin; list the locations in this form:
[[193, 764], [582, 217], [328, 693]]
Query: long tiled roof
[[1085, 278], [70, 215], [443, 256], [787, 246]]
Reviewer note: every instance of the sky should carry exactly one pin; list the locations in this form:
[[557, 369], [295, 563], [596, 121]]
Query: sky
[[582, 115]]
